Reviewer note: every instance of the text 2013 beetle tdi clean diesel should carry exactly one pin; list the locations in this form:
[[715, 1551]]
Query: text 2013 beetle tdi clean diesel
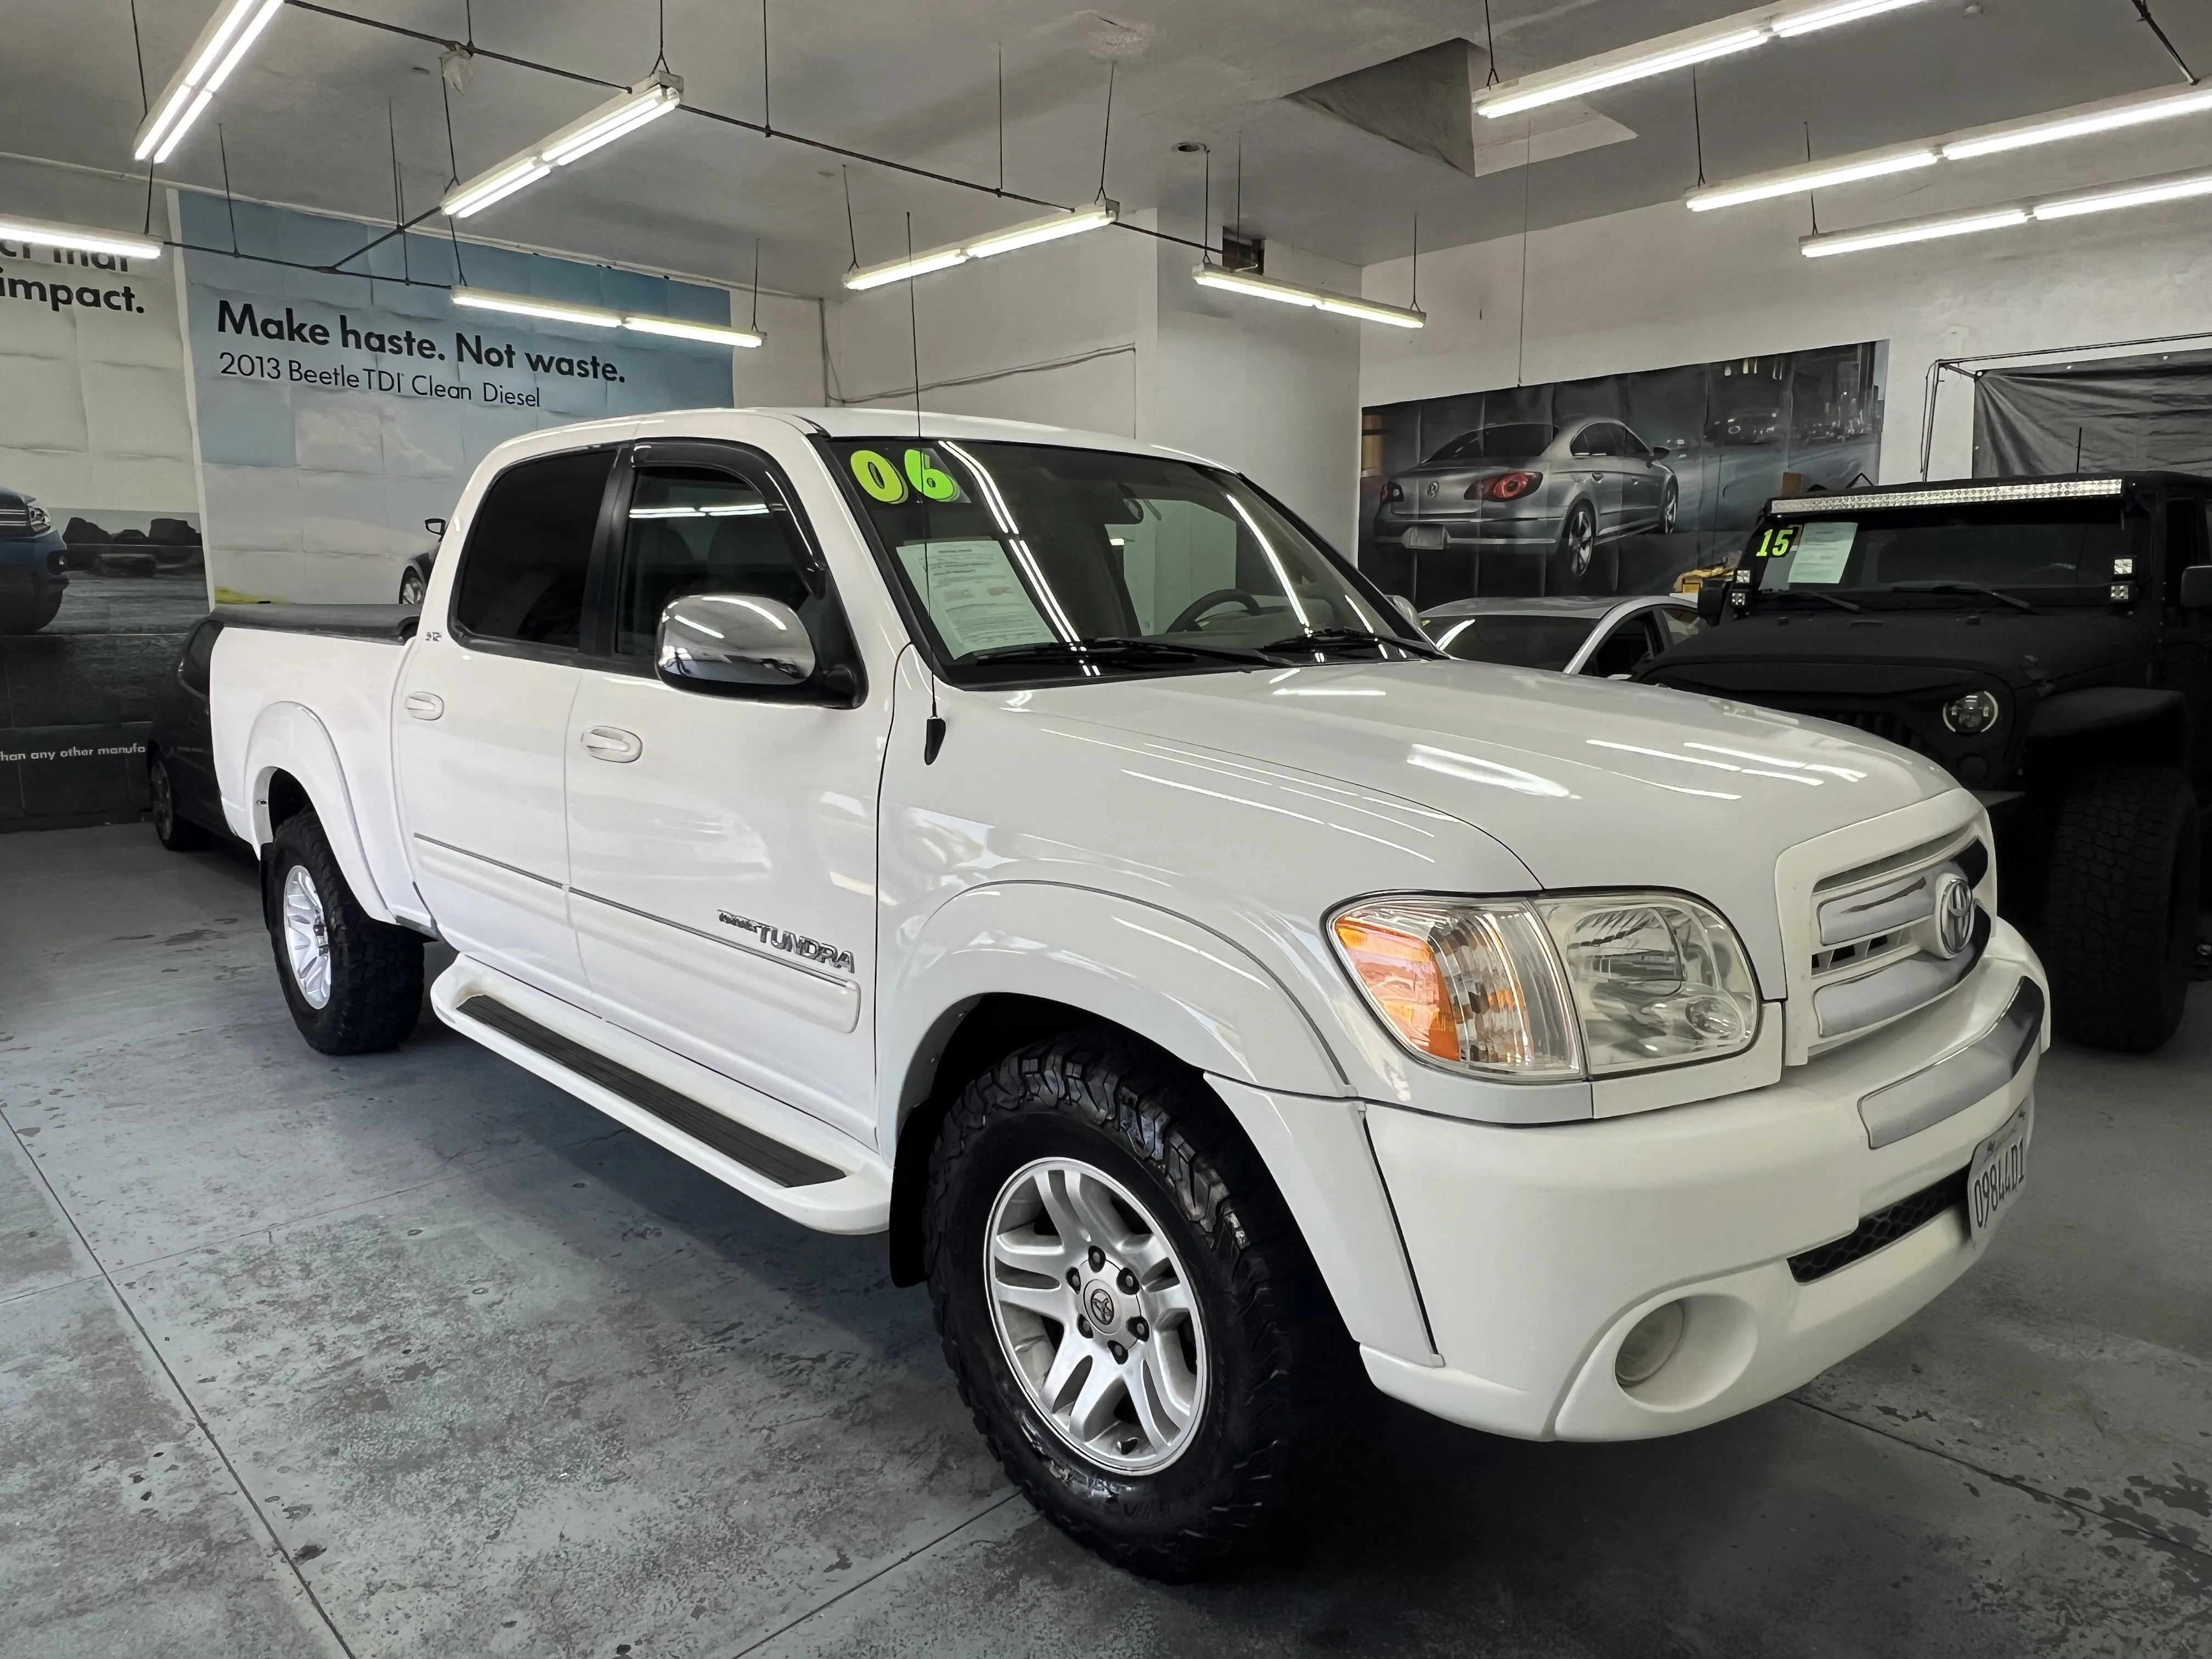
[[1039, 846]]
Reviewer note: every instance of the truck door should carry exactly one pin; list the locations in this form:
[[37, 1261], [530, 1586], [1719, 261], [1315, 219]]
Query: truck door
[[722, 848], [2185, 636], [480, 734]]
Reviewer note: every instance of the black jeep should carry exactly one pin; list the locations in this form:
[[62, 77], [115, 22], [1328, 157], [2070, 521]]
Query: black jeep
[[2048, 642]]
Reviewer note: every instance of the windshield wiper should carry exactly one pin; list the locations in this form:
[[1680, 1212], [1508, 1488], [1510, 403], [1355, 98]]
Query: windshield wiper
[[1320, 637], [2012, 600], [1809, 593], [1110, 650]]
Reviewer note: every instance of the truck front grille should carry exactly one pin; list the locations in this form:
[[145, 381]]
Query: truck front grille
[[14, 520], [1878, 948], [1877, 723]]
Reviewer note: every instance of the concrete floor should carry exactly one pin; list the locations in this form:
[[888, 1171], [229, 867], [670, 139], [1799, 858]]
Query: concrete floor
[[413, 1355]]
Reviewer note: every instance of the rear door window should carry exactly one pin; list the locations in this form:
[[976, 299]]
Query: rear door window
[[523, 572]]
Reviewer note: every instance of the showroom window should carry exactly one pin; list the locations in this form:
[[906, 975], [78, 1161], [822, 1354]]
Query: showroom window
[[523, 573]]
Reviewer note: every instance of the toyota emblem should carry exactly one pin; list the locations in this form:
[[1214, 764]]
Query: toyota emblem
[[1101, 1306], [1955, 914]]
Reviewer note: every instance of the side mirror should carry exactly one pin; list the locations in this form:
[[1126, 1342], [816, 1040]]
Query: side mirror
[[2197, 587], [1712, 599], [727, 643], [1405, 610], [435, 527]]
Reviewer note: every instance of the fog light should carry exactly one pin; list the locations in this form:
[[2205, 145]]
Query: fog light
[[1972, 714], [1650, 1345]]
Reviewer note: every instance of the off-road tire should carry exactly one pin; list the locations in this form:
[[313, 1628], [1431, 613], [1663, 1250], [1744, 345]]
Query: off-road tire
[[376, 969], [1284, 1374], [2118, 921], [171, 827]]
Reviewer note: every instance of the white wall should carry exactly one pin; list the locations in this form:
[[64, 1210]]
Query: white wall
[[1108, 332], [1662, 286]]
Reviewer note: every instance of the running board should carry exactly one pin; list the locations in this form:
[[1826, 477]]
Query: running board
[[782, 1164], [784, 1158]]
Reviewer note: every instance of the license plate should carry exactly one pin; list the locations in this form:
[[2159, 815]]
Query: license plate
[[1430, 537], [1998, 1172]]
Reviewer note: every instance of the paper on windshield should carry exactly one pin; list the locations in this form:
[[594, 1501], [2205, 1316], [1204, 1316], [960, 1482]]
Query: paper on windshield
[[973, 595], [1824, 548]]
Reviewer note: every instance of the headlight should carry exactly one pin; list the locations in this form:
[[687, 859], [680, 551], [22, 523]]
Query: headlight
[[1972, 714], [1549, 989], [40, 523]]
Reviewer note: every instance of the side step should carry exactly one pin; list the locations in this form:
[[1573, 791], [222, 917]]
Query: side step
[[787, 1160], [785, 1165]]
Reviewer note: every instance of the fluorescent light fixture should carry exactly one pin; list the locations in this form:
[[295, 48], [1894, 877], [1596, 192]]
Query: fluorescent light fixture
[[1048, 229], [2136, 110], [898, 270], [620, 115], [1817, 175], [40, 233], [552, 311], [1912, 230], [1844, 11], [1315, 299], [677, 329], [2146, 194], [222, 43], [1615, 69], [1966, 496]]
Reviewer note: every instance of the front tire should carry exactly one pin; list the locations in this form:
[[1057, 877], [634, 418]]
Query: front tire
[[412, 587], [1084, 1196], [171, 827], [2118, 923], [1575, 557], [353, 983]]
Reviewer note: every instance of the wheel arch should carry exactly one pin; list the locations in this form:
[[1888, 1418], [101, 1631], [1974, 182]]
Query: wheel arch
[[2109, 725], [292, 766]]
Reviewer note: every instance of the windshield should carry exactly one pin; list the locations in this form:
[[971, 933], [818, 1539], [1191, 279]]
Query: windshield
[[1521, 641], [1499, 443], [2062, 545], [1022, 554]]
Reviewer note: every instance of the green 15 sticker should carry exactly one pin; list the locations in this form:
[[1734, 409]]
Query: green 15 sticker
[[1776, 542], [889, 485]]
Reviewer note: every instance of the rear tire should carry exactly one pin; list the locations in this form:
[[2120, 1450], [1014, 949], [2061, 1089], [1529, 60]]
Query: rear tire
[[1574, 560], [171, 827], [2118, 921], [1263, 1371], [354, 984]]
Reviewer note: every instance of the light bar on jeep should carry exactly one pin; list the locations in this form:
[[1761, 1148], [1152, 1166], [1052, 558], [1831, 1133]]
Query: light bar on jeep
[[1965, 495]]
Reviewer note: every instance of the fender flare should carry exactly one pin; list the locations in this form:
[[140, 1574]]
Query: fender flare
[[1201, 997], [2099, 708], [287, 737]]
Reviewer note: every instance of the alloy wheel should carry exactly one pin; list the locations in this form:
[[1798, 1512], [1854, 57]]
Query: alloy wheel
[[1095, 1316], [164, 801], [306, 937]]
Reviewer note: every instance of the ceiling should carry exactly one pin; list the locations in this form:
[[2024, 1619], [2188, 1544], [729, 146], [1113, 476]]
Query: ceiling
[[315, 114]]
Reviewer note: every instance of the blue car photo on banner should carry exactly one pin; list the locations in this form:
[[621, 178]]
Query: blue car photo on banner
[[337, 412]]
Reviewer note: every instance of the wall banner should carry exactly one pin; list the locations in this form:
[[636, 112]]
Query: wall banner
[[1616, 484], [337, 412], [100, 540]]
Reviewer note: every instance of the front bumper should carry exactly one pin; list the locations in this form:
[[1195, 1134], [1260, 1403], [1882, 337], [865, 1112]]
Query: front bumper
[[1537, 1249]]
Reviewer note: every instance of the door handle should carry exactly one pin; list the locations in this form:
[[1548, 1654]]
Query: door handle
[[611, 743], [424, 706]]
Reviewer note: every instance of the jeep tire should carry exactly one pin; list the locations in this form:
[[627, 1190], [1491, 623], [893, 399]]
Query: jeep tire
[[354, 984], [2119, 922], [1135, 1145]]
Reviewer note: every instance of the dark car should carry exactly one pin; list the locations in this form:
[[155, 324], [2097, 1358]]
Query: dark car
[[415, 579], [2048, 642], [1557, 498], [1609, 638], [33, 565], [180, 753]]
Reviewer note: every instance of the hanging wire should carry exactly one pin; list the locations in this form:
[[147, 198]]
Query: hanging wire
[[1002, 119], [847, 173], [2142, 12], [1811, 202], [1521, 346], [399, 195], [1698, 125], [756, 285], [660, 63], [1489, 44], [1106, 137], [913, 331], [1414, 299], [767, 117], [145, 105], [223, 150], [453, 175]]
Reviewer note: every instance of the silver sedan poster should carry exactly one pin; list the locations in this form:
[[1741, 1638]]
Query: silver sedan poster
[[1616, 485]]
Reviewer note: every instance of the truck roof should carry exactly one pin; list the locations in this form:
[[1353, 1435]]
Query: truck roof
[[1965, 492], [881, 422]]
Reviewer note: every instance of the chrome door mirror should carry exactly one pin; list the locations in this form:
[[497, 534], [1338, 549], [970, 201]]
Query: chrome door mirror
[[732, 642]]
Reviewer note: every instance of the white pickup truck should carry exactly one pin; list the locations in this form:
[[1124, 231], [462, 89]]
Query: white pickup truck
[[1042, 848]]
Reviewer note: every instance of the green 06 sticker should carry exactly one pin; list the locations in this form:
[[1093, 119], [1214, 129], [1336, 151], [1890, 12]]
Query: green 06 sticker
[[878, 476]]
